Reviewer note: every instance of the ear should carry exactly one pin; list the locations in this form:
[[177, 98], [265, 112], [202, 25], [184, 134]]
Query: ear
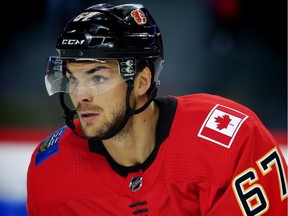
[[142, 81]]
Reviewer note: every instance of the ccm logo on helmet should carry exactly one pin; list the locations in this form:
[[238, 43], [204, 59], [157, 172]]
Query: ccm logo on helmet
[[72, 42]]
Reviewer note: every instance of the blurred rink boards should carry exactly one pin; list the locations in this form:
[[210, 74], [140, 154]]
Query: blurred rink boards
[[16, 147]]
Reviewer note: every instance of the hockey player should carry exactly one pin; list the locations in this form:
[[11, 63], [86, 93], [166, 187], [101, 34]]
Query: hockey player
[[125, 151]]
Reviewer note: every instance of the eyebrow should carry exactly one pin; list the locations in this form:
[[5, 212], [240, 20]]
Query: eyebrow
[[91, 71]]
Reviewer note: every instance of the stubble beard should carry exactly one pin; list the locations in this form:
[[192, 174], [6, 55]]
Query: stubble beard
[[92, 129]]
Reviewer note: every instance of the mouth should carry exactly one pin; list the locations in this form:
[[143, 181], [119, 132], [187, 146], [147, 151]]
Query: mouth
[[88, 116]]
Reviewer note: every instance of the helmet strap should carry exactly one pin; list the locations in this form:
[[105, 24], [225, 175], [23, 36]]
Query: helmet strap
[[68, 113], [152, 92]]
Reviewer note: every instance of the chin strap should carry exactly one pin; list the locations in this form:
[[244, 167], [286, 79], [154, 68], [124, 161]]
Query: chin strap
[[151, 95], [69, 113]]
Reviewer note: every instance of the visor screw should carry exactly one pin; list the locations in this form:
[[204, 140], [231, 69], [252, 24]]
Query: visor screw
[[81, 53]]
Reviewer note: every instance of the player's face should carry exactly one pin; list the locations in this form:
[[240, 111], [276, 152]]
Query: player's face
[[98, 113]]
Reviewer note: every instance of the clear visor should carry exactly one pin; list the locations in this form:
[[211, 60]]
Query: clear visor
[[85, 76]]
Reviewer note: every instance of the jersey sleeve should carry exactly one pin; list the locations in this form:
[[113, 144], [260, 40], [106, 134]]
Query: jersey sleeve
[[259, 182], [39, 165]]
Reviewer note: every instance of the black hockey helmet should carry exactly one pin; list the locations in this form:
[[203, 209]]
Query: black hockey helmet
[[104, 31], [126, 32]]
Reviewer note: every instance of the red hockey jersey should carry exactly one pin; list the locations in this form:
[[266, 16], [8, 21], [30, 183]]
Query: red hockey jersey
[[213, 157]]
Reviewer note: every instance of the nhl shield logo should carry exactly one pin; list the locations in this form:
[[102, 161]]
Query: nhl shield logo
[[135, 183]]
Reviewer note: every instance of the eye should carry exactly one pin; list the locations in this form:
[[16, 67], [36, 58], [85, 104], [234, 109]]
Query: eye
[[72, 79], [99, 79]]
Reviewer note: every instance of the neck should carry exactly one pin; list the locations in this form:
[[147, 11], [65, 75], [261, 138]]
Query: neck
[[136, 140]]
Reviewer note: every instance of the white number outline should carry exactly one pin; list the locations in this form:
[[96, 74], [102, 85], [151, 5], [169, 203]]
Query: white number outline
[[245, 195], [258, 193], [265, 168], [85, 16]]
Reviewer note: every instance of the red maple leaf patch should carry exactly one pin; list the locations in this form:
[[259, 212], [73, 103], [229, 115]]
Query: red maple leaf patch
[[223, 121]]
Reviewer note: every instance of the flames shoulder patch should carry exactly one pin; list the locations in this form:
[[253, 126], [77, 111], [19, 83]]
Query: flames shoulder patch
[[49, 146]]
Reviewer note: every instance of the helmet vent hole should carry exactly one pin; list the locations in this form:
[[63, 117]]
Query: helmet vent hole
[[96, 41]]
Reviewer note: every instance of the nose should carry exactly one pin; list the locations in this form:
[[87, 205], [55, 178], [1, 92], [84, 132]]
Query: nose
[[83, 94], [86, 98]]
